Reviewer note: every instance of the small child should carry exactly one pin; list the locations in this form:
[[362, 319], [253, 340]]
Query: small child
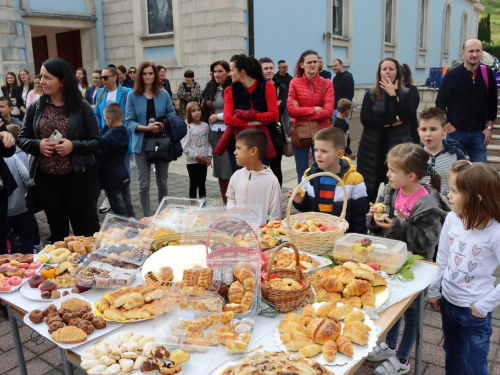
[[469, 253], [432, 130], [344, 107], [114, 177], [197, 150], [255, 184], [321, 194], [414, 214], [6, 108]]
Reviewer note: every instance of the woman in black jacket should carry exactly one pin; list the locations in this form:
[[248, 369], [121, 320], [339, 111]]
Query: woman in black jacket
[[21, 93], [385, 114], [62, 167], [7, 149], [415, 98]]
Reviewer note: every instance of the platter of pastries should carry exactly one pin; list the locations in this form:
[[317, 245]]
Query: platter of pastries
[[309, 263], [17, 269], [71, 247], [69, 322], [330, 333]]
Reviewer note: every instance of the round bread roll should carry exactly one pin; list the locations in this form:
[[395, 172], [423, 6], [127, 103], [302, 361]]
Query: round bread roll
[[321, 330], [166, 273]]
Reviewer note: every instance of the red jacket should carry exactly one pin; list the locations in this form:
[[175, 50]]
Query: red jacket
[[308, 99], [235, 125]]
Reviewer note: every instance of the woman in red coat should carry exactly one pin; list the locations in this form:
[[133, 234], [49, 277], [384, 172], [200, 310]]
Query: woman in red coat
[[250, 102], [310, 98]]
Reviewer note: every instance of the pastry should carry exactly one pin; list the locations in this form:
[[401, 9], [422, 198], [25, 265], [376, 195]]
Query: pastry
[[75, 322], [65, 293], [246, 277], [69, 335], [308, 313], [287, 336], [126, 364], [311, 350], [246, 301], [340, 312], [380, 209], [235, 292], [53, 318], [325, 309], [236, 347], [74, 304], [150, 365], [354, 316], [47, 286], [329, 350], [368, 299], [333, 284], [295, 344], [358, 325], [170, 367], [179, 356], [321, 330], [67, 317], [235, 307], [50, 308], [242, 328], [35, 265], [356, 336], [344, 346], [86, 327], [36, 316], [54, 326], [15, 280], [55, 294], [17, 272], [287, 326], [333, 297], [353, 301], [113, 370], [160, 352], [75, 290], [98, 322], [378, 280], [346, 276], [357, 288], [293, 317], [5, 287], [220, 287]]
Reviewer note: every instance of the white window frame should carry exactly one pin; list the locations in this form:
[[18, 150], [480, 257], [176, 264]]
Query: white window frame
[[145, 29], [446, 34], [391, 47], [345, 40], [464, 31], [423, 25]]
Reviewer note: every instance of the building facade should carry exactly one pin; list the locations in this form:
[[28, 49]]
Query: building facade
[[191, 34]]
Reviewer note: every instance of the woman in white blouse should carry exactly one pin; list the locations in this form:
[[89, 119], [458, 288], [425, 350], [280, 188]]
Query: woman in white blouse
[[37, 91]]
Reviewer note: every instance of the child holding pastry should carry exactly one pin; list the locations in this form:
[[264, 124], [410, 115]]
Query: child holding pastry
[[469, 253], [414, 214]]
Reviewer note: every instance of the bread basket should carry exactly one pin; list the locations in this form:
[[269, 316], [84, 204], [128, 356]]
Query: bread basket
[[316, 242], [286, 300]]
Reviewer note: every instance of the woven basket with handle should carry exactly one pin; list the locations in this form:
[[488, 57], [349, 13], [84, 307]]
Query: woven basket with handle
[[316, 242], [286, 300]]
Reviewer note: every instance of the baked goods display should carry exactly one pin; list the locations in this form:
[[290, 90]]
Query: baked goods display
[[271, 234], [286, 260], [280, 363], [72, 246], [313, 226], [17, 269]]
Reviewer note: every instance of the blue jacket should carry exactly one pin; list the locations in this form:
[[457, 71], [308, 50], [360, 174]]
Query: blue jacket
[[99, 109], [136, 114], [113, 174]]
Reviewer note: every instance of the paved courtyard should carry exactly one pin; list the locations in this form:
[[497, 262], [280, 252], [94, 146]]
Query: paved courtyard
[[46, 359]]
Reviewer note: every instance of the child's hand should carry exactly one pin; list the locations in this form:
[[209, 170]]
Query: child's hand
[[435, 303], [209, 161], [297, 199], [371, 211], [201, 159], [385, 223], [475, 312]]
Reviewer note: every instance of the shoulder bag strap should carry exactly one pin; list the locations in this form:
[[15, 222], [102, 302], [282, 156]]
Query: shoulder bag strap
[[123, 95], [484, 73]]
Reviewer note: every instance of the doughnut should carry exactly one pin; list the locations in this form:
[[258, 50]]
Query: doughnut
[[29, 273], [23, 265], [15, 280], [35, 265], [5, 280], [5, 287]]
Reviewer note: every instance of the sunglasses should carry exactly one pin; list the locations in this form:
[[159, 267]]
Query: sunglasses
[[132, 71], [103, 78]]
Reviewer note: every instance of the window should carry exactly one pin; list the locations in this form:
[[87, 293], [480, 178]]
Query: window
[[388, 22], [422, 37], [160, 16], [337, 19], [463, 31], [446, 29]]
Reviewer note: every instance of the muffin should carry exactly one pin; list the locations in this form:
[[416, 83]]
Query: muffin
[[150, 365], [36, 316], [86, 278], [179, 356], [47, 286], [170, 367], [80, 288]]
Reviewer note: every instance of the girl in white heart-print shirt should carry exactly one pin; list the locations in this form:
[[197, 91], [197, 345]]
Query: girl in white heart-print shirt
[[468, 254]]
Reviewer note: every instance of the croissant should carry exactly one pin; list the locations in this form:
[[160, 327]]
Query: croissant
[[137, 314], [344, 345], [340, 312], [357, 288], [337, 270], [322, 330], [114, 314], [226, 338], [354, 316], [134, 303], [296, 318], [226, 316], [236, 347], [102, 305], [125, 298], [346, 276], [351, 265], [246, 277], [329, 350], [154, 294], [356, 336], [325, 309], [291, 335], [235, 292], [310, 350], [321, 294], [143, 289], [354, 301], [368, 299], [287, 326], [358, 325], [366, 267], [113, 296], [333, 284], [333, 297], [308, 313], [246, 302], [316, 282], [74, 304], [378, 280], [294, 345], [361, 273], [69, 335], [326, 272]]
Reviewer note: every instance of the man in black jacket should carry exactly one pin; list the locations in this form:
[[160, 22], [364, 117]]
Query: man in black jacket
[[468, 95], [343, 85], [284, 78]]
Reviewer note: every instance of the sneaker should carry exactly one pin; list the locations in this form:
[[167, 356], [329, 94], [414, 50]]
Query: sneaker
[[392, 367], [104, 206], [39, 247], [380, 353]]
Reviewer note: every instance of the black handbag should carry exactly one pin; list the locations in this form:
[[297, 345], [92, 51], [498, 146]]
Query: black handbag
[[160, 149], [33, 202]]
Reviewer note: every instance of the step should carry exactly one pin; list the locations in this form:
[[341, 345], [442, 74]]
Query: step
[[493, 147]]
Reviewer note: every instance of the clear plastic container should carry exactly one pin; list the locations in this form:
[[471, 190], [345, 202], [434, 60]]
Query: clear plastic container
[[172, 212], [124, 239], [388, 254]]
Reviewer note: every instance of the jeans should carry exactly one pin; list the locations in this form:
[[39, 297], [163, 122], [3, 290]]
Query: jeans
[[287, 122], [144, 172], [120, 202], [24, 223], [197, 178], [128, 159], [409, 332], [471, 142], [301, 156], [466, 340]]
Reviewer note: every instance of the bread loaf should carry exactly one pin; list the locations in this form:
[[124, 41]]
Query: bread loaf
[[321, 330]]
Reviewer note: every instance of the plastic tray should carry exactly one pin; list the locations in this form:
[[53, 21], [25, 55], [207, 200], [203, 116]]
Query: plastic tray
[[388, 254], [172, 212], [124, 239]]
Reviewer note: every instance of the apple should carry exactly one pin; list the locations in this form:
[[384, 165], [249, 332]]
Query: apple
[[323, 228], [372, 265]]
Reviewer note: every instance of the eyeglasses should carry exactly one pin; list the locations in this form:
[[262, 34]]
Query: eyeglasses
[[103, 78], [132, 71]]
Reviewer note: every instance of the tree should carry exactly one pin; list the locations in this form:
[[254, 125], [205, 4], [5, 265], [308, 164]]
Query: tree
[[484, 29]]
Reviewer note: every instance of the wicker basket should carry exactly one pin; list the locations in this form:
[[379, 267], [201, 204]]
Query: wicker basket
[[286, 300], [316, 242]]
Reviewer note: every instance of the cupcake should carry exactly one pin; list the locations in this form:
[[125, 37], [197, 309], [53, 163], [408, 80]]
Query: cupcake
[[86, 278], [103, 279], [47, 286], [35, 281], [81, 288]]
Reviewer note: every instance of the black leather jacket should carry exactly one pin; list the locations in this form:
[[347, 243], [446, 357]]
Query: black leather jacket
[[83, 132]]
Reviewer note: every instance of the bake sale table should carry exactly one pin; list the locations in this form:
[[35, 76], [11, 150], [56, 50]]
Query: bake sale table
[[425, 273]]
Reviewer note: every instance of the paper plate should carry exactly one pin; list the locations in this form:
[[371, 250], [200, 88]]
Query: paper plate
[[35, 294]]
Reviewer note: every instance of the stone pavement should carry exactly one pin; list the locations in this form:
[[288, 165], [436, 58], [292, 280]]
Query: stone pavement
[[45, 358]]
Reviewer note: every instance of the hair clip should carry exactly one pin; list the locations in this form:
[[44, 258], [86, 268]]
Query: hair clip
[[430, 171]]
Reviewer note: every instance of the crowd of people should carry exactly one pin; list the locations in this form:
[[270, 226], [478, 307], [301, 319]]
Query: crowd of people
[[81, 138]]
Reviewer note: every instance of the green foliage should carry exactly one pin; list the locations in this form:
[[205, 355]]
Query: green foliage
[[405, 271], [493, 8], [492, 48], [484, 29]]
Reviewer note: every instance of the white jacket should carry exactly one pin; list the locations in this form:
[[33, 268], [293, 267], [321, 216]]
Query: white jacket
[[251, 188]]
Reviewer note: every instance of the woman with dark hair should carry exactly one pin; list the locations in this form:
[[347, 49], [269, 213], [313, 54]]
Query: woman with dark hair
[[132, 72], [125, 81], [407, 81], [21, 93], [164, 83], [188, 91], [145, 105], [250, 102], [276, 129], [385, 114], [37, 91], [213, 107], [310, 98], [90, 94], [62, 168], [9, 90], [83, 82]]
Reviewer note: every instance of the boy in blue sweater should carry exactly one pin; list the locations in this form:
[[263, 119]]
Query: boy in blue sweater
[[113, 175]]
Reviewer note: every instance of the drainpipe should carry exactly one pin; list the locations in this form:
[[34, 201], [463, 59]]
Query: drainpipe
[[251, 40], [99, 25]]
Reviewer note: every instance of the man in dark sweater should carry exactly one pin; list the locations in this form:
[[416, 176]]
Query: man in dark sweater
[[284, 78], [343, 85], [468, 95], [323, 73]]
